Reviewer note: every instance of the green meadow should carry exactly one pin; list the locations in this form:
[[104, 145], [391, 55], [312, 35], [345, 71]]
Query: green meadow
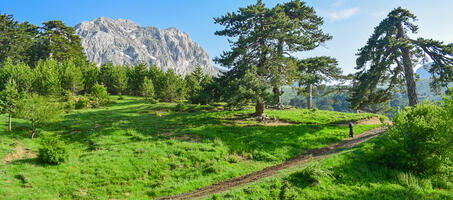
[[135, 150]]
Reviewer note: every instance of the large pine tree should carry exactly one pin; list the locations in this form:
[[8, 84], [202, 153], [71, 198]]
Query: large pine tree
[[315, 72], [59, 42], [17, 40], [265, 38], [387, 61]]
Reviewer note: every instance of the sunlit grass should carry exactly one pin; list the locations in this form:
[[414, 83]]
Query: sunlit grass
[[135, 150]]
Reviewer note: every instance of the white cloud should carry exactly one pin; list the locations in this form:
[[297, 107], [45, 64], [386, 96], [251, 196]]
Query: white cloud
[[343, 14]]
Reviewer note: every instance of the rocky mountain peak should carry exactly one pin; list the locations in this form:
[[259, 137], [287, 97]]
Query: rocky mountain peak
[[124, 42]]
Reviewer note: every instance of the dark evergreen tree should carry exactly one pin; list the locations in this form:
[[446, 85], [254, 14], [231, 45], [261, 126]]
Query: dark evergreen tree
[[316, 71], [17, 40], [157, 76], [71, 77], [20, 73], [173, 87], [91, 75], [46, 77], [265, 39], [245, 90], [148, 90], [136, 75], [114, 77], [386, 62], [196, 82], [59, 42]]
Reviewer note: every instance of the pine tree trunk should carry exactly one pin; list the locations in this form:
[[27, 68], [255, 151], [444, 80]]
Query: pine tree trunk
[[408, 70], [277, 92], [259, 109], [410, 78], [9, 122], [33, 130], [310, 96]]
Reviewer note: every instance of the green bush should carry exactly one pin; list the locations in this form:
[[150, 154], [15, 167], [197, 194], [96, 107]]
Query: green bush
[[310, 176], [181, 107], [421, 139], [82, 102], [99, 95], [53, 151], [69, 100]]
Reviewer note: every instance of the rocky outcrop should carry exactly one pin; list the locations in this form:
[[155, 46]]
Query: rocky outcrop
[[124, 42]]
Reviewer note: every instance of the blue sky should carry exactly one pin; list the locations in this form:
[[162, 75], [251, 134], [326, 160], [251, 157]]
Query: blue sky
[[350, 22]]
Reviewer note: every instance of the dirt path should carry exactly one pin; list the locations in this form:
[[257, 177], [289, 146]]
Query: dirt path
[[21, 152], [307, 156]]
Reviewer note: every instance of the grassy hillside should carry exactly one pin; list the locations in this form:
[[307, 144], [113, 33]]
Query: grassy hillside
[[348, 175], [136, 150]]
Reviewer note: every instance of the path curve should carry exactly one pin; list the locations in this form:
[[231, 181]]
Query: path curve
[[307, 156]]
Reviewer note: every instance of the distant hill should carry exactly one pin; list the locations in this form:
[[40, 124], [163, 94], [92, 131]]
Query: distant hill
[[422, 71], [124, 42]]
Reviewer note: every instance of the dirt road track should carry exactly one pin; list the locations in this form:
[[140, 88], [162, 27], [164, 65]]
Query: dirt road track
[[307, 156]]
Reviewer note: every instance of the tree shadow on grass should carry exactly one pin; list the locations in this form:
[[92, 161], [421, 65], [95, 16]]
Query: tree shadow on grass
[[30, 161], [283, 142], [158, 122], [146, 120], [20, 130]]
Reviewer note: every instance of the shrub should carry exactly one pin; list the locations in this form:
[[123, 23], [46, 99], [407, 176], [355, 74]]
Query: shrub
[[310, 176], [53, 151], [263, 156], [82, 102], [99, 95], [181, 107], [421, 138], [287, 192], [70, 100]]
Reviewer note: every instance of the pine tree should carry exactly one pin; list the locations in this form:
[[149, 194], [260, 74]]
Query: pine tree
[[194, 84], [114, 77], [17, 40], [316, 71], [59, 42], [148, 90], [173, 88], [8, 100], [71, 77], [157, 76], [91, 75], [136, 75], [21, 74], [265, 39], [388, 59], [38, 110], [46, 77]]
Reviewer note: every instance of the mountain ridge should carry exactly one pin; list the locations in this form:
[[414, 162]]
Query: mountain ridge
[[124, 42]]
